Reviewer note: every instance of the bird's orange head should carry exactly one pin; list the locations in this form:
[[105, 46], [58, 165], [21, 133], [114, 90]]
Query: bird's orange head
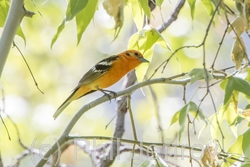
[[134, 57]]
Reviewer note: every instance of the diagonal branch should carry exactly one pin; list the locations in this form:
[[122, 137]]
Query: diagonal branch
[[15, 15], [126, 92]]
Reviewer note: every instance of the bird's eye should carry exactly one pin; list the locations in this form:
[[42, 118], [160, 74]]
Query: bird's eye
[[136, 54], [127, 54]]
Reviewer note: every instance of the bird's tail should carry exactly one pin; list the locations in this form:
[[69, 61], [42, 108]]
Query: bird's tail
[[76, 94], [62, 107]]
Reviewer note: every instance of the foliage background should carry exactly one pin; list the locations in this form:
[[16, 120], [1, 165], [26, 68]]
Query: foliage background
[[59, 69]]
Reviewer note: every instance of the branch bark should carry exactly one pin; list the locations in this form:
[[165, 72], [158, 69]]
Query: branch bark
[[126, 92], [120, 119], [14, 17]]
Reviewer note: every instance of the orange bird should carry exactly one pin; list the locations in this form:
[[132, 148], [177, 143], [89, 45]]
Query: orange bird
[[104, 74]]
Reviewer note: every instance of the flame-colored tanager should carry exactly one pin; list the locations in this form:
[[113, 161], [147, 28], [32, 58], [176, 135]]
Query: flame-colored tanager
[[104, 74]]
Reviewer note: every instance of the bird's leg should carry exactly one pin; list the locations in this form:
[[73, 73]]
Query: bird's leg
[[104, 91]]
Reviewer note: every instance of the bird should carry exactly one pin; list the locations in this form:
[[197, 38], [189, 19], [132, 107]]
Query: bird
[[104, 74]]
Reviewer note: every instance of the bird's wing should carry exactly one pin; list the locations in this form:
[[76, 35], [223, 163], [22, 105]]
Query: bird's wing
[[97, 71]]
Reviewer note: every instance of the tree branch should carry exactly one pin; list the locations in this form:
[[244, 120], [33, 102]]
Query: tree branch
[[173, 16], [126, 92], [15, 15]]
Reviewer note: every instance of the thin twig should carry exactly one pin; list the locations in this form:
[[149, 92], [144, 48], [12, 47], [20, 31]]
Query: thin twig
[[173, 16], [30, 71], [140, 143], [133, 125]]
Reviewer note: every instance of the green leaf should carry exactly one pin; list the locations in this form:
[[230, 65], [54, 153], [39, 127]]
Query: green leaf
[[247, 13], [239, 25], [238, 52], [198, 74], [183, 119], [239, 6], [237, 121], [141, 70], [209, 6], [84, 17], [74, 7], [159, 3], [59, 30], [245, 164], [248, 75], [137, 13], [228, 132], [236, 84], [4, 8], [229, 114], [192, 7], [245, 143], [190, 107], [175, 118], [145, 7], [236, 148], [210, 119], [224, 84], [144, 41], [160, 162]]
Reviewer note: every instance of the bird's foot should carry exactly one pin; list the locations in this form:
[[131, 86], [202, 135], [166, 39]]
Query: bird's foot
[[109, 93]]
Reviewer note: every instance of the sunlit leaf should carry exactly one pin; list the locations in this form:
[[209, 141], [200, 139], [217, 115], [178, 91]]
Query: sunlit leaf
[[210, 120], [144, 41], [236, 148], [183, 119], [237, 121], [59, 30], [239, 6], [159, 3], [248, 74], [84, 17], [192, 7], [239, 25], [141, 70], [149, 162], [175, 118], [115, 8], [145, 7], [138, 15], [247, 12], [222, 127], [236, 84], [160, 162], [190, 107], [245, 164], [209, 6], [229, 115], [238, 52], [198, 74], [74, 7], [223, 84], [4, 8], [245, 143]]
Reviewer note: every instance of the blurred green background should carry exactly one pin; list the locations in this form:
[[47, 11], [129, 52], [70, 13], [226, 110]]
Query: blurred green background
[[59, 69]]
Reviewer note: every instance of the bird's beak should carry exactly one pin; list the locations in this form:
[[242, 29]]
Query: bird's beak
[[144, 60]]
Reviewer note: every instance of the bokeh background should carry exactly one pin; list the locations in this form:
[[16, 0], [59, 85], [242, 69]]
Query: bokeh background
[[58, 70]]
